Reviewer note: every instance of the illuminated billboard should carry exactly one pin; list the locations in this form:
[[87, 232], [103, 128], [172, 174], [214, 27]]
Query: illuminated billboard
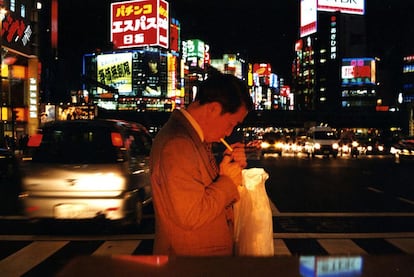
[[358, 71], [262, 69], [308, 15], [261, 74], [310, 266], [194, 52], [134, 73], [152, 75], [175, 35], [139, 23], [344, 6], [115, 70]]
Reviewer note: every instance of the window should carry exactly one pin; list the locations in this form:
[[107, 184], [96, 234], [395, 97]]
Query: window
[[23, 11]]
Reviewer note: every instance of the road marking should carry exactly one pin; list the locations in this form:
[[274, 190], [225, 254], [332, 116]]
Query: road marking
[[402, 199], [341, 247], [117, 247], [78, 238], [28, 257], [280, 248], [407, 245], [275, 210], [375, 190], [345, 214], [409, 235]]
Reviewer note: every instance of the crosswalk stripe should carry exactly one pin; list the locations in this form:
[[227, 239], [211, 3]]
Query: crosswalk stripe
[[28, 257], [406, 245], [117, 247], [280, 248], [34, 257], [341, 246]]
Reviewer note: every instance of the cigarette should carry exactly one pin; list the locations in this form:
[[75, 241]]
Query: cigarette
[[226, 144]]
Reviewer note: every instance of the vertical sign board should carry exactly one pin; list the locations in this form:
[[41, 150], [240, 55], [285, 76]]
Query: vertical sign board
[[139, 23], [163, 24], [308, 17]]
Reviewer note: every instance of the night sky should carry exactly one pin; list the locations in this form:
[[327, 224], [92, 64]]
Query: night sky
[[263, 33]]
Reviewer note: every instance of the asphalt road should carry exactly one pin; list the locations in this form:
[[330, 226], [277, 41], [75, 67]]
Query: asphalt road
[[340, 195], [320, 206]]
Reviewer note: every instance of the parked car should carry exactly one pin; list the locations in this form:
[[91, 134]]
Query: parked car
[[86, 169], [404, 149]]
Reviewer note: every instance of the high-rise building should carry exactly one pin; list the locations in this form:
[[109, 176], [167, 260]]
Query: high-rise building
[[332, 70]]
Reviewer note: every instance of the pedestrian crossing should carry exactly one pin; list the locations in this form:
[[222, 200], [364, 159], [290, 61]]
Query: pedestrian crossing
[[46, 257]]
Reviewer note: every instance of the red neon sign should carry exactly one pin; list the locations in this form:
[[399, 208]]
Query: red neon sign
[[139, 23]]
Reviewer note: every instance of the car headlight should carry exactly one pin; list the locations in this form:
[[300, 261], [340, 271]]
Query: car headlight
[[369, 148], [355, 144], [335, 145], [279, 145], [380, 148], [317, 146], [265, 145]]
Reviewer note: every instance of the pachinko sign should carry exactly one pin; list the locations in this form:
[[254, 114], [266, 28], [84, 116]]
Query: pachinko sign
[[139, 23]]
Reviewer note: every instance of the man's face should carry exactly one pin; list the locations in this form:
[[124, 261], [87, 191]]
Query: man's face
[[222, 124]]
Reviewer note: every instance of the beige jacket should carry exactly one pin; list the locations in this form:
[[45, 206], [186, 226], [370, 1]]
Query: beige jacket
[[193, 206]]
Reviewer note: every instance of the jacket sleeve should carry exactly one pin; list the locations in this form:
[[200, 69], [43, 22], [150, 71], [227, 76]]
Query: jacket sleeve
[[188, 193]]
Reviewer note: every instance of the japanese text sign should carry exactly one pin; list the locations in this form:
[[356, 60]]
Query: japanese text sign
[[139, 23]]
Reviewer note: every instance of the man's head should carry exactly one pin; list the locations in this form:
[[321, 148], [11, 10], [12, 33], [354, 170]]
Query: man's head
[[228, 90], [222, 102]]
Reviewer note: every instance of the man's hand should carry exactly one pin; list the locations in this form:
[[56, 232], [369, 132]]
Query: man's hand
[[232, 169], [238, 155]]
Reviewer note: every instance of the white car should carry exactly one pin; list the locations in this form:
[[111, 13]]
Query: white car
[[87, 169], [321, 141]]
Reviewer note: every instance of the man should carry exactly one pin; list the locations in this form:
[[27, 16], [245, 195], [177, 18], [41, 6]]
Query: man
[[193, 196]]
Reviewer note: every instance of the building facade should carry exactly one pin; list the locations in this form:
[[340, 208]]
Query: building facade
[[19, 69], [331, 70]]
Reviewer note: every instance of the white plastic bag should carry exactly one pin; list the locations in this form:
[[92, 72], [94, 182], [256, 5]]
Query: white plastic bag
[[253, 224]]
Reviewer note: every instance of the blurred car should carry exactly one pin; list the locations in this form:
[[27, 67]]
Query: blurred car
[[272, 142], [87, 169], [372, 146], [404, 149], [321, 140], [349, 146]]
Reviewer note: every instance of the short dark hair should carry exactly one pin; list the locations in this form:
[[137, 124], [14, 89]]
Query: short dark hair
[[227, 89]]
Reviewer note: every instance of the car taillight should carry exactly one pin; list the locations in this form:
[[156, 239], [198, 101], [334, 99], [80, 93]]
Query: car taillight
[[32, 209], [116, 139]]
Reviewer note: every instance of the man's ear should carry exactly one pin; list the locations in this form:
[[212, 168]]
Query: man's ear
[[214, 108]]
